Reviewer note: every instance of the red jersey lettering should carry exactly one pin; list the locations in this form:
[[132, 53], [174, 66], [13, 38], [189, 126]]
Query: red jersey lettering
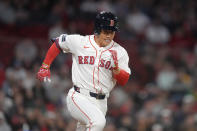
[[80, 58], [86, 59], [108, 63], [102, 63], [111, 68], [91, 60]]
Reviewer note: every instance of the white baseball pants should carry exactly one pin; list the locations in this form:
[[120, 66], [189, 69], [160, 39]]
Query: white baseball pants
[[88, 111]]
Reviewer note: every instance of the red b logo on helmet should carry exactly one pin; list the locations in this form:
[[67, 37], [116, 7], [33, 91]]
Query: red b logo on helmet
[[111, 23]]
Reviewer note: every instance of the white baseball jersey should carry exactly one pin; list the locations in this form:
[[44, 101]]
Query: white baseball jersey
[[92, 65]]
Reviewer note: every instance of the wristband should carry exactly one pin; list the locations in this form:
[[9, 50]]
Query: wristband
[[45, 66], [122, 77]]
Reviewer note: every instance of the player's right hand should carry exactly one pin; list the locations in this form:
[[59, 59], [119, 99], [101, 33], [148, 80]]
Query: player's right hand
[[115, 59], [44, 73]]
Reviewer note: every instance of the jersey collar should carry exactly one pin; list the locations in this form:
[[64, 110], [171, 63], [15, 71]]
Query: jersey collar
[[92, 40]]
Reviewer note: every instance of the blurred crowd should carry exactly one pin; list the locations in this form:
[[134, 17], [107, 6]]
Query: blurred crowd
[[159, 35]]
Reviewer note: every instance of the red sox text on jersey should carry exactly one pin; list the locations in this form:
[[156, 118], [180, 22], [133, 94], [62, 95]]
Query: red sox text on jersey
[[91, 59]]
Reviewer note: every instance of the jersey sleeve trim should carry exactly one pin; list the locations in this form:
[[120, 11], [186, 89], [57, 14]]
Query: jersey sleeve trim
[[56, 41]]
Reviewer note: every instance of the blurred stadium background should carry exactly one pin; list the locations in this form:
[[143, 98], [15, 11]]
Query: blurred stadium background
[[159, 35]]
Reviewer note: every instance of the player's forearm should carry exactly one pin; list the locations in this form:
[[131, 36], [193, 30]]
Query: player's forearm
[[121, 76], [51, 54]]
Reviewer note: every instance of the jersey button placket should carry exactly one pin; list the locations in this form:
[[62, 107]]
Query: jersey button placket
[[96, 62], [96, 70], [99, 57]]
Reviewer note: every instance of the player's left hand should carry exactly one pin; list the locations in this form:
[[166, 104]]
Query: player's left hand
[[115, 59]]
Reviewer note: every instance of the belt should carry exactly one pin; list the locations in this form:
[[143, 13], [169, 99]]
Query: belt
[[97, 96]]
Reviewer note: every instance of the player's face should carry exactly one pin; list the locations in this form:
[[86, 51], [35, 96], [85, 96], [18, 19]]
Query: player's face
[[105, 37]]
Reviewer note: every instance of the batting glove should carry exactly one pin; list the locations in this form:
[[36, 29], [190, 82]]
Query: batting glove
[[115, 59], [44, 73]]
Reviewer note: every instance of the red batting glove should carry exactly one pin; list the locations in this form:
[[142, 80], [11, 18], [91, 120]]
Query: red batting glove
[[119, 74], [115, 59], [44, 73]]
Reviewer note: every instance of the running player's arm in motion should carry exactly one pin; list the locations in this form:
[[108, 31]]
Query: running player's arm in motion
[[59, 44], [121, 71], [44, 71]]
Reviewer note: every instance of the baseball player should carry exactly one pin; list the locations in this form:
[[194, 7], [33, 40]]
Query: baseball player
[[98, 64]]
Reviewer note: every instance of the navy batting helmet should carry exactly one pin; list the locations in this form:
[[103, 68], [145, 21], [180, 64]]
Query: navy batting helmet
[[105, 21]]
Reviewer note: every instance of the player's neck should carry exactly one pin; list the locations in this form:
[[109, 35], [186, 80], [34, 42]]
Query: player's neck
[[99, 42], [96, 39]]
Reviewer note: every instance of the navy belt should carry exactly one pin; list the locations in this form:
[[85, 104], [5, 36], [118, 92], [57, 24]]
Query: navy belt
[[97, 96]]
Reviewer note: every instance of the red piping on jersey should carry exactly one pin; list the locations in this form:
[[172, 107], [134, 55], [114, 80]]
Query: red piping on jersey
[[94, 67], [81, 110], [99, 62]]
